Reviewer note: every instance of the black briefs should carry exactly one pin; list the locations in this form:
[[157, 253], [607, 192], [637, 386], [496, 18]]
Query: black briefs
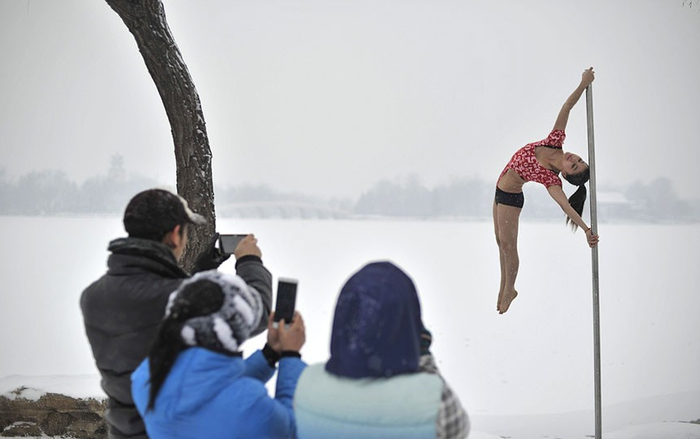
[[510, 199]]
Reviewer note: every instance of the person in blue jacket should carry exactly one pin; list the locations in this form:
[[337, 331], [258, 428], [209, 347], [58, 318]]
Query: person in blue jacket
[[195, 383], [381, 381]]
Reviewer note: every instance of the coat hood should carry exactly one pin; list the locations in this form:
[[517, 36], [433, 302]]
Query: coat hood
[[377, 323]]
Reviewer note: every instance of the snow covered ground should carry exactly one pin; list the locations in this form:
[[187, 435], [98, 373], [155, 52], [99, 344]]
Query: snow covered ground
[[88, 386], [657, 431], [526, 374], [665, 430], [670, 430]]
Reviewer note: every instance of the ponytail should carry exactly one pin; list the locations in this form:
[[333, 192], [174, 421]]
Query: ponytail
[[194, 299], [166, 347], [578, 199]]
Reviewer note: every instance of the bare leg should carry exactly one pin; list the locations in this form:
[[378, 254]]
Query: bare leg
[[507, 221], [501, 257]]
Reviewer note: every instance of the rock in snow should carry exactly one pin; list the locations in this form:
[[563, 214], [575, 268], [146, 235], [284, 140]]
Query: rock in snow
[[52, 406]]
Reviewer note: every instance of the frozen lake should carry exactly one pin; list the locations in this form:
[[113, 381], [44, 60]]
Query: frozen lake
[[536, 359]]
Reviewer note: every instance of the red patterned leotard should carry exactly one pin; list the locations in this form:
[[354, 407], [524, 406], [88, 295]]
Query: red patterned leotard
[[525, 164]]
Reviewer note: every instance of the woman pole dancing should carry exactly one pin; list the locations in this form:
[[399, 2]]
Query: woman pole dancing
[[541, 162]]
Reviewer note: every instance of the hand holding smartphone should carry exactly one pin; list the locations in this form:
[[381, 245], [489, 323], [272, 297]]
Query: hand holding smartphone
[[286, 301], [228, 243]]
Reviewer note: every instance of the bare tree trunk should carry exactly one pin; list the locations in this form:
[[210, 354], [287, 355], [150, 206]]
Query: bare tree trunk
[[145, 19]]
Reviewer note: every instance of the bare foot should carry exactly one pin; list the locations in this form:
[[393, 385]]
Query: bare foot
[[508, 297]]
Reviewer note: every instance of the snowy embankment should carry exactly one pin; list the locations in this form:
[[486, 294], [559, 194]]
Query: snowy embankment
[[52, 406], [75, 386]]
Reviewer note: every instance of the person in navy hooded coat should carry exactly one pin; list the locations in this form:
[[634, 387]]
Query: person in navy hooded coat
[[195, 383], [381, 381]]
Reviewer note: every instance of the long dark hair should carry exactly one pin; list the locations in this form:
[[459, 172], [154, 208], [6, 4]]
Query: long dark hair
[[578, 199], [195, 299]]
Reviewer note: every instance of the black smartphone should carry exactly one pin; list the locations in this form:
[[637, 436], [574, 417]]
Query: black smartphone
[[228, 243], [286, 300]]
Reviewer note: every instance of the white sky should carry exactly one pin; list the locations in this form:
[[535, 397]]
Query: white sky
[[328, 97]]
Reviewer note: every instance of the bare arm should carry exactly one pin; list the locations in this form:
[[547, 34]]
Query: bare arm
[[563, 118], [557, 193]]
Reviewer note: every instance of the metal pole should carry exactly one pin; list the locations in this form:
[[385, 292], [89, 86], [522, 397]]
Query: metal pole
[[594, 254]]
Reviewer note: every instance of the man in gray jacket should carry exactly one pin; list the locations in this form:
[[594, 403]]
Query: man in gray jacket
[[123, 308]]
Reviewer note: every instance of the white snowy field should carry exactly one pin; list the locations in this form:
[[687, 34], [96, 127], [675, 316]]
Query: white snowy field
[[528, 373]]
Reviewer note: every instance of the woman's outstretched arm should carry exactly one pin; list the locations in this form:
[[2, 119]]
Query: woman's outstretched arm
[[557, 193], [563, 118]]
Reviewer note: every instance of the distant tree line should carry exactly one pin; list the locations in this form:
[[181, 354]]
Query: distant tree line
[[459, 198], [52, 193], [655, 201]]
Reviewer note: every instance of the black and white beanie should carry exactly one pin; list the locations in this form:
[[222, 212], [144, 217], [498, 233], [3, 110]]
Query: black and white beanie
[[227, 328]]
